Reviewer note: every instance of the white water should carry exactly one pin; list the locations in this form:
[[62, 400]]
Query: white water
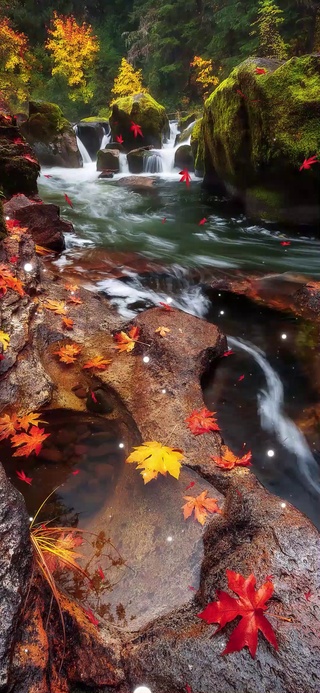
[[105, 140], [274, 420], [152, 163], [123, 164], [86, 158]]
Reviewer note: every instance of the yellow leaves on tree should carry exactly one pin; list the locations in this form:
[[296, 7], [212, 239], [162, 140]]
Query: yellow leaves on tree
[[128, 81], [73, 48], [154, 458], [204, 76], [15, 63]]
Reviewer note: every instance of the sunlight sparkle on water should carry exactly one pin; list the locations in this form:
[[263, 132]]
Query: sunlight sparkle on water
[[28, 267], [270, 453], [142, 689], [283, 336]]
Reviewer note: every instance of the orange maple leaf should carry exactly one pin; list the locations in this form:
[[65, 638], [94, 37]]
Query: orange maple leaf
[[126, 342], [31, 419], [30, 442], [71, 287], [162, 330], [98, 362], [202, 421], [68, 323], [68, 353], [8, 425], [75, 299], [228, 460], [201, 506], [58, 307], [7, 281], [40, 250]]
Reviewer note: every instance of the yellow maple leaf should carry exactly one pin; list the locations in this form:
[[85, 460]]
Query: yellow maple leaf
[[162, 330], [4, 340], [153, 458], [58, 307]]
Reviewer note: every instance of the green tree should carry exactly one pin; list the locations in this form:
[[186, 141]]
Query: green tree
[[270, 18]]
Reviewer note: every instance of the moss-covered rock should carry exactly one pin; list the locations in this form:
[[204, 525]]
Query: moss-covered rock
[[258, 129], [183, 157], [197, 147], [91, 135], [19, 169], [95, 119], [108, 159], [143, 110], [184, 121], [51, 136]]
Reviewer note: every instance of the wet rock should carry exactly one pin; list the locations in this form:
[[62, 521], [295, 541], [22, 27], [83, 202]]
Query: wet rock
[[183, 158], [19, 168], [136, 158], [99, 402], [43, 221], [143, 110], [184, 137], [51, 136], [91, 135], [106, 174], [138, 184], [108, 159]]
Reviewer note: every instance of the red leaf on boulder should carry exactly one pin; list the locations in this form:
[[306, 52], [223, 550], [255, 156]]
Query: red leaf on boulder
[[202, 421]]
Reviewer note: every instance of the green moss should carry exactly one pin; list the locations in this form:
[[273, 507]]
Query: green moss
[[186, 120], [94, 119], [105, 113], [144, 110], [45, 121], [197, 145]]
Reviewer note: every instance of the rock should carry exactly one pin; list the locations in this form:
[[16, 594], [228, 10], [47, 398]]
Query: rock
[[108, 159], [197, 147], [91, 135], [19, 169], [15, 570], [106, 174], [183, 157], [143, 110], [136, 158], [137, 184], [256, 143], [3, 230], [43, 221], [184, 137], [115, 145], [185, 121], [51, 136]]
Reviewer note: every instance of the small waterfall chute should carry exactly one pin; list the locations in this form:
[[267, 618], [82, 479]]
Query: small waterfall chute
[[105, 140], [123, 163], [152, 162], [86, 158]]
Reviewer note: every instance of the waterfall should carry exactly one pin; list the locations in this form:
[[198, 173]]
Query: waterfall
[[86, 158], [105, 140], [152, 163], [123, 163], [167, 154]]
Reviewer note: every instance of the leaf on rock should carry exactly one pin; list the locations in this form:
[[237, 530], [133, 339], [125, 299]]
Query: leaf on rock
[[22, 476], [201, 506], [4, 340], [8, 426], [166, 306], [202, 421], [228, 460], [68, 323], [98, 362], [91, 617], [127, 342], [250, 606], [68, 353], [71, 287], [58, 307], [75, 299], [163, 331], [30, 442], [153, 458]]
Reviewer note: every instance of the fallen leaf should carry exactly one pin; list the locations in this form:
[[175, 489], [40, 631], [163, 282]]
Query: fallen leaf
[[8, 425], [153, 458], [228, 460], [260, 71], [75, 299], [202, 221], [166, 306], [308, 595], [4, 340], [191, 485], [31, 419], [68, 353], [93, 397], [13, 259], [91, 617], [192, 589], [127, 342], [201, 506], [22, 476], [40, 250], [188, 688], [250, 607], [30, 442], [164, 220], [67, 199], [136, 129], [119, 139], [202, 421], [228, 353], [68, 323], [58, 307], [241, 94], [185, 177], [162, 331], [309, 162], [269, 578], [241, 378], [75, 472], [98, 362], [27, 157], [71, 287], [101, 573]]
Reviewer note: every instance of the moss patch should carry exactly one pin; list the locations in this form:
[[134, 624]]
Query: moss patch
[[46, 120], [95, 119], [197, 145], [144, 110]]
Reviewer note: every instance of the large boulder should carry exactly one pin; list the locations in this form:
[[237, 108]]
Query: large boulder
[[142, 110], [136, 159], [42, 220], [51, 136], [197, 147], [19, 169], [91, 134], [137, 183], [183, 157], [258, 129], [108, 159]]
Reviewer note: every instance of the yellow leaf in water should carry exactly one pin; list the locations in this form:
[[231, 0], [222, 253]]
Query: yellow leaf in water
[[153, 458]]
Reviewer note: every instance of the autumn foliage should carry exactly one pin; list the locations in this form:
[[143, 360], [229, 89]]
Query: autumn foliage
[[128, 81], [15, 62], [153, 458], [204, 76], [73, 48]]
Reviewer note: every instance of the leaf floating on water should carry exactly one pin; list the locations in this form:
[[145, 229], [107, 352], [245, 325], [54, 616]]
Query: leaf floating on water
[[285, 243], [153, 458], [98, 362], [228, 460], [201, 506], [202, 421], [31, 419], [8, 426], [162, 331], [29, 442], [22, 476], [57, 307], [67, 199], [250, 606], [68, 353], [203, 221]]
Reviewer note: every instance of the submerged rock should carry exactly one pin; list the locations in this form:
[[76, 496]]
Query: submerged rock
[[51, 136], [137, 183], [258, 129], [143, 110], [108, 159]]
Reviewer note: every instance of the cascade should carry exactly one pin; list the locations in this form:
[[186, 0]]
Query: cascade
[[152, 163], [86, 158]]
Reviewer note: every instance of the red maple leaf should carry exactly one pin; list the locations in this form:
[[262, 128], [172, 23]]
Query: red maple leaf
[[227, 353], [250, 606], [202, 221], [202, 421], [101, 573], [188, 688], [308, 595], [29, 158], [91, 617], [13, 259], [241, 378], [136, 129], [241, 94], [30, 442], [165, 306], [67, 199], [120, 139], [18, 140], [22, 476], [285, 243], [46, 175], [260, 71], [309, 162], [75, 472], [93, 397], [191, 485], [185, 177], [164, 220]]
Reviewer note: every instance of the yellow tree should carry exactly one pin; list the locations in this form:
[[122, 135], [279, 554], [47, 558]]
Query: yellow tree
[[73, 48], [15, 63], [128, 81], [205, 78]]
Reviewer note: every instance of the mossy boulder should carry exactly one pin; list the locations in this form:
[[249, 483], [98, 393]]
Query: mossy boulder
[[95, 119], [143, 110], [51, 136], [259, 128], [183, 157], [197, 147], [91, 135], [108, 159], [19, 168], [186, 120]]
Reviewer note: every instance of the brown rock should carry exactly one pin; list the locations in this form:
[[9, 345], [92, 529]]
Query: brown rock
[[137, 183], [43, 221]]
